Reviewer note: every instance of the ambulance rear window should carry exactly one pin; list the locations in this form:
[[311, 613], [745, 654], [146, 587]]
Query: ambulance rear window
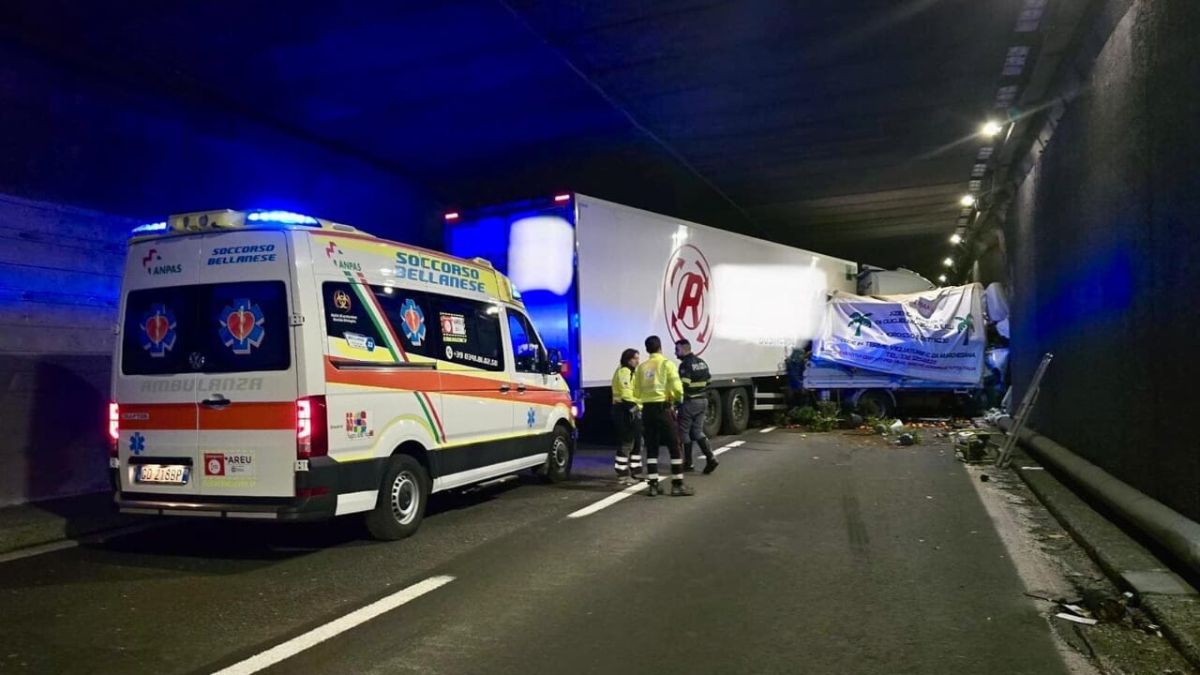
[[207, 328]]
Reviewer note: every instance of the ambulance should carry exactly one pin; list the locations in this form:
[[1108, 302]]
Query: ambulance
[[271, 365]]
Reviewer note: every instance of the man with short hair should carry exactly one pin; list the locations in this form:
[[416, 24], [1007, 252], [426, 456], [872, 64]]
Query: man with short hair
[[693, 372], [656, 385]]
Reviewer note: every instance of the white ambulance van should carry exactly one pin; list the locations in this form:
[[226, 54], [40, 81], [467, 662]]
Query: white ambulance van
[[276, 366]]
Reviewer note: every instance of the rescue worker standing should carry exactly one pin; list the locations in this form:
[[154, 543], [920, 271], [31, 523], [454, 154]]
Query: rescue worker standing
[[627, 419], [693, 372], [657, 387]]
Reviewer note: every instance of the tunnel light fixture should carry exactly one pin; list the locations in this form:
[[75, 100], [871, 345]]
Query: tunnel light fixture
[[562, 198], [991, 129], [967, 200], [956, 239], [942, 278], [948, 262], [453, 215]]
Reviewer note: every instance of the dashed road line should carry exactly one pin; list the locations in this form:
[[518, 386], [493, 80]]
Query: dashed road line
[[767, 430], [609, 500], [634, 489], [334, 628]]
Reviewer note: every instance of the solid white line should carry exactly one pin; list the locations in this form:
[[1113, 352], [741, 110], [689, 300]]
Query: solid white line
[[38, 550], [609, 500], [334, 628], [767, 430], [737, 444], [95, 538]]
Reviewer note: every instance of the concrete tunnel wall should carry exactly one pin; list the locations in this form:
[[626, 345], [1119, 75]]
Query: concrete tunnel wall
[[72, 140], [1104, 250]]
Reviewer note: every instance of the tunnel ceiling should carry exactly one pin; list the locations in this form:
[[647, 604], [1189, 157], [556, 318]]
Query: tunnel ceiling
[[845, 126]]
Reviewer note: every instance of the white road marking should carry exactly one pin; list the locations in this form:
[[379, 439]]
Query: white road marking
[[334, 628], [767, 430], [38, 550], [609, 500], [636, 488], [97, 538]]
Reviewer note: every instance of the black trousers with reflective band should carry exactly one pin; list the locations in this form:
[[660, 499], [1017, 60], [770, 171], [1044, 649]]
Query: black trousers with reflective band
[[658, 420], [627, 420]]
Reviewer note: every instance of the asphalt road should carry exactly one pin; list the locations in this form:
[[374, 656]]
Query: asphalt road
[[825, 554]]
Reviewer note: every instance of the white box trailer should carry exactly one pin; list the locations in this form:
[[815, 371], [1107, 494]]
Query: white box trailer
[[598, 277]]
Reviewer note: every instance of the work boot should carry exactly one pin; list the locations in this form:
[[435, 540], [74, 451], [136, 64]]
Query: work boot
[[652, 491], [626, 480], [711, 465], [681, 490], [689, 469]]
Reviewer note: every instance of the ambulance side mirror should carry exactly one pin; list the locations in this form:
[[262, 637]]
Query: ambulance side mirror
[[553, 363]]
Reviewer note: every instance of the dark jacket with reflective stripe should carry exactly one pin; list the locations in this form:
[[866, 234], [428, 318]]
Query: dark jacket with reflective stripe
[[694, 373]]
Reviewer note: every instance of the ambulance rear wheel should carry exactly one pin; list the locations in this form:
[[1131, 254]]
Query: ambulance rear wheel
[[403, 494], [712, 416]]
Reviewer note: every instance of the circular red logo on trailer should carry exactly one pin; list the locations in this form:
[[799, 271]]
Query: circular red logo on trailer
[[687, 297]]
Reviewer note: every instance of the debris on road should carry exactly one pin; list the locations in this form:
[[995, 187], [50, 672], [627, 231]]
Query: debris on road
[[1077, 619]]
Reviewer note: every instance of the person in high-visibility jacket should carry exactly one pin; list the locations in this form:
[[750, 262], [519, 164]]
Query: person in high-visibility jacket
[[627, 419], [656, 385], [693, 371]]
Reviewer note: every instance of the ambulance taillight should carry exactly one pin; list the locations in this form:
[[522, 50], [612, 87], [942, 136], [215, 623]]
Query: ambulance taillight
[[312, 432], [114, 428]]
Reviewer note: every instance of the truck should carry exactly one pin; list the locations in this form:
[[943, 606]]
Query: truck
[[881, 353], [598, 277]]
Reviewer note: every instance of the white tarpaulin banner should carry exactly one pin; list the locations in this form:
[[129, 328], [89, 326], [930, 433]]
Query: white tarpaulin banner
[[933, 335]]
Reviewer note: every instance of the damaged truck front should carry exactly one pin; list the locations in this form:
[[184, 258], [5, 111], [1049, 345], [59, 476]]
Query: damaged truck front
[[926, 350]]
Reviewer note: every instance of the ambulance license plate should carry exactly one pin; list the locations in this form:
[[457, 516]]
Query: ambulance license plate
[[174, 474]]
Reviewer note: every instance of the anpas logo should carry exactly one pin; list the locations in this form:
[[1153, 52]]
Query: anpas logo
[[152, 257], [413, 322], [158, 331], [332, 250], [687, 285], [858, 320], [242, 326]]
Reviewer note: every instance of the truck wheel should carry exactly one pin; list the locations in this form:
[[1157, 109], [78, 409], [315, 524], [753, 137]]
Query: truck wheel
[[403, 495], [875, 403], [558, 463], [736, 411], [712, 417]]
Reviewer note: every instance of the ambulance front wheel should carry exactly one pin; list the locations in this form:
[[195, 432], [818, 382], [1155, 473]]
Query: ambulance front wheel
[[558, 461], [403, 494]]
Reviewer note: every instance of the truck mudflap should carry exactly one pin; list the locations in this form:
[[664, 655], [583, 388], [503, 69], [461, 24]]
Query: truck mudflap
[[317, 495]]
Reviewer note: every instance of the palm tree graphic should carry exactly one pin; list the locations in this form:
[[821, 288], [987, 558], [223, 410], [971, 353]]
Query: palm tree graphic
[[967, 324], [857, 321]]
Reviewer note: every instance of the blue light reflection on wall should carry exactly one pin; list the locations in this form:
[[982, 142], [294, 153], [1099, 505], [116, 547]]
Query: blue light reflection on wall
[[488, 235], [1087, 296]]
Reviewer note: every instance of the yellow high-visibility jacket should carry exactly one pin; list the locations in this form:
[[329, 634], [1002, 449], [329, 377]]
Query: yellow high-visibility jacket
[[657, 381], [622, 386]]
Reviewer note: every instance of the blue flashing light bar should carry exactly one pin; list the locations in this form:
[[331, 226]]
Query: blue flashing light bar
[[150, 228], [281, 217]]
